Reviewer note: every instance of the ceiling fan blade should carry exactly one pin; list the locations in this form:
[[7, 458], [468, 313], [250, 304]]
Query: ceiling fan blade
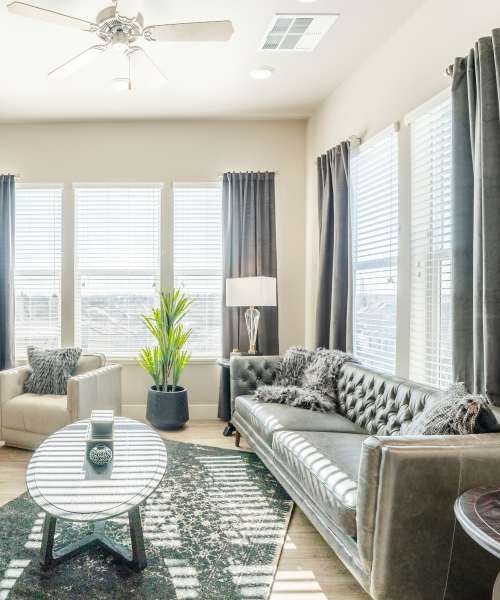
[[206, 31], [51, 16], [140, 59], [76, 63]]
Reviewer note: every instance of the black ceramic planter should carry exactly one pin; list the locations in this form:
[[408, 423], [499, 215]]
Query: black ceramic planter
[[167, 410]]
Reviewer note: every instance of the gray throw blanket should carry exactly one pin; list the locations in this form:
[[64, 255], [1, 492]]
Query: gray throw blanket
[[306, 379]]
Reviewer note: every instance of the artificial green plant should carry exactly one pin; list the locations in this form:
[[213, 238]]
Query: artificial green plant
[[166, 361]]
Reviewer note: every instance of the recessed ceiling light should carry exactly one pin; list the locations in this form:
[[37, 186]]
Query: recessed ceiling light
[[307, 1], [121, 84], [262, 73]]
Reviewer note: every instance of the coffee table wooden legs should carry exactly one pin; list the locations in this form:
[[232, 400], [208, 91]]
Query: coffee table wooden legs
[[136, 559]]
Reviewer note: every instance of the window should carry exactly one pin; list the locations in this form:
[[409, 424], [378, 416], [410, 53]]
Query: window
[[375, 250], [430, 326], [117, 274], [38, 254], [198, 262]]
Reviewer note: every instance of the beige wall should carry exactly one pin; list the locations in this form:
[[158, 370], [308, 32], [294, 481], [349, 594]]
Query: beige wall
[[403, 73], [178, 151]]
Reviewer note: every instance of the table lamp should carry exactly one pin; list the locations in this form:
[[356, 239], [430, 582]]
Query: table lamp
[[251, 292]]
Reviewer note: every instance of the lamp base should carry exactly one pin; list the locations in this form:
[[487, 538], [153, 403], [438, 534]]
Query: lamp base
[[252, 317]]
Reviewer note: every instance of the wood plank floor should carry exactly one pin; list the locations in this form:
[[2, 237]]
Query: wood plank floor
[[308, 568]]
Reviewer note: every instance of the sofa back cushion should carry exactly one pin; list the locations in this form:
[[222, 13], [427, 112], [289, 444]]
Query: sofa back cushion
[[380, 404], [90, 362]]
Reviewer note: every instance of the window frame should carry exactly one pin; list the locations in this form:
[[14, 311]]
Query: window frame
[[154, 187], [392, 130], [433, 322], [20, 359], [68, 278], [217, 184]]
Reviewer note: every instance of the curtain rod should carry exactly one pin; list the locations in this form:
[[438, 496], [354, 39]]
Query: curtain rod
[[221, 175]]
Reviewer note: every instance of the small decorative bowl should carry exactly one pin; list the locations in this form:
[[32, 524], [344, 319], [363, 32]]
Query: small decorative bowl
[[100, 455]]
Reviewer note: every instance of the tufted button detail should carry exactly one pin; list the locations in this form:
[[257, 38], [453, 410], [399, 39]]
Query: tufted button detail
[[378, 404]]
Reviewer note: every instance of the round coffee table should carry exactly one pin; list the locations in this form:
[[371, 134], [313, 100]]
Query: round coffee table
[[66, 486], [478, 512]]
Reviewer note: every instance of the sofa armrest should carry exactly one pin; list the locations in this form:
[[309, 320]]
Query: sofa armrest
[[100, 389], [248, 372], [405, 520]]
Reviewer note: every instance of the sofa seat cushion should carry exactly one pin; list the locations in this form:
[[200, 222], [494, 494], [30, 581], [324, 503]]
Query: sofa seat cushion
[[326, 466], [267, 419], [42, 414]]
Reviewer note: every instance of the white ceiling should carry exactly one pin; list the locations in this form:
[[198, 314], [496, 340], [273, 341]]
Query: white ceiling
[[204, 80]]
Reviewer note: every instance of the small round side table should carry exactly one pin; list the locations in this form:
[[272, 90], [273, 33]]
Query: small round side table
[[478, 512]]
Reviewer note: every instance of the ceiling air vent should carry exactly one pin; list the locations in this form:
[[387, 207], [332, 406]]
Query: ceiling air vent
[[298, 33]]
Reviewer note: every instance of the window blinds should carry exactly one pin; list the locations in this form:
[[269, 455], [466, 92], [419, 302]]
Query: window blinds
[[38, 254], [431, 285], [117, 266], [375, 250], [198, 262]]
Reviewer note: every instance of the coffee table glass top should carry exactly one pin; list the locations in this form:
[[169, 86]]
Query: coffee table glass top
[[62, 482]]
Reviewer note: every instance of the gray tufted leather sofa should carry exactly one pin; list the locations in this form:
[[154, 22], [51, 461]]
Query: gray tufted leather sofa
[[381, 499]]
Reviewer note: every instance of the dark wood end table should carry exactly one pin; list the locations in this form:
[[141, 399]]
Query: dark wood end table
[[478, 512]]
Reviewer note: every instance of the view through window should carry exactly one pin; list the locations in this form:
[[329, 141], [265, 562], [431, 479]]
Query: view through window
[[117, 271]]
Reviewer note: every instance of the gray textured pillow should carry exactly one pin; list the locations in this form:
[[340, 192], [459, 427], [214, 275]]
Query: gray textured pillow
[[51, 370], [293, 365], [456, 413]]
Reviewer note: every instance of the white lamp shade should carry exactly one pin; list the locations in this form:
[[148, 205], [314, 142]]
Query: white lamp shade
[[251, 291]]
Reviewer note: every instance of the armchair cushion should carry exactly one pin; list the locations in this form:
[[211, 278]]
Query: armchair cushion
[[51, 370], [33, 413]]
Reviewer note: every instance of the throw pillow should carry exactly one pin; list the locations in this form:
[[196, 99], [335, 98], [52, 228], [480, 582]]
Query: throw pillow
[[293, 365], [51, 369], [294, 396], [456, 413]]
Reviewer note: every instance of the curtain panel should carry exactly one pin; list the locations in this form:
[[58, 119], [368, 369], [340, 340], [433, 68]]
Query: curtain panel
[[476, 217], [249, 232], [334, 296], [7, 221]]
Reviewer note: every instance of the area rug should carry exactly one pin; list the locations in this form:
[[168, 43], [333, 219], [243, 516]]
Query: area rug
[[214, 530]]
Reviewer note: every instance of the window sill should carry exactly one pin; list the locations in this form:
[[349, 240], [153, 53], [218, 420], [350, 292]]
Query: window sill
[[132, 361]]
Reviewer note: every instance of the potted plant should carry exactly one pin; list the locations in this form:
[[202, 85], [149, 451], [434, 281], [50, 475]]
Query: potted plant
[[167, 400]]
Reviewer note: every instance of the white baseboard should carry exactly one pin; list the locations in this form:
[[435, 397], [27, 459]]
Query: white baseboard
[[197, 412]]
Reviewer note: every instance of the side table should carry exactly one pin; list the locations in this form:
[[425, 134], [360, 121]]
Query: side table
[[478, 512], [225, 396]]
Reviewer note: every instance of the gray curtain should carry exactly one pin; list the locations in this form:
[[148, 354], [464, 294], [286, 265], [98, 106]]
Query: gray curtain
[[249, 222], [476, 217], [334, 298], [7, 216]]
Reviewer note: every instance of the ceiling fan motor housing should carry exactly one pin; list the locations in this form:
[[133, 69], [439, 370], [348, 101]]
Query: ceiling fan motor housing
[[113, 27]]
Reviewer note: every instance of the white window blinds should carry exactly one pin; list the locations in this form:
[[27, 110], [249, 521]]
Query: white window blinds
[[38, 254], [430, 328], [117, 266], [375, 250], [198, 262]]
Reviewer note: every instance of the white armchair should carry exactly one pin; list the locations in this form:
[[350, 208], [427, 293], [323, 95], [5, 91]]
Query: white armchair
[[27, 419]]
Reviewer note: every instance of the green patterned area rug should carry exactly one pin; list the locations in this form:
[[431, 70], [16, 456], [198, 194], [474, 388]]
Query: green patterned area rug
[[214, 530]]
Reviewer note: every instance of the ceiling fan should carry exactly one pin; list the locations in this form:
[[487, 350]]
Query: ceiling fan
[[119, 33]]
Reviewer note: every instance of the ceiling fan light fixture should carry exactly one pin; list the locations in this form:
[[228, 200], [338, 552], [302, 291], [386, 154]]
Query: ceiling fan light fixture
[[121, 84], [262, 73]]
